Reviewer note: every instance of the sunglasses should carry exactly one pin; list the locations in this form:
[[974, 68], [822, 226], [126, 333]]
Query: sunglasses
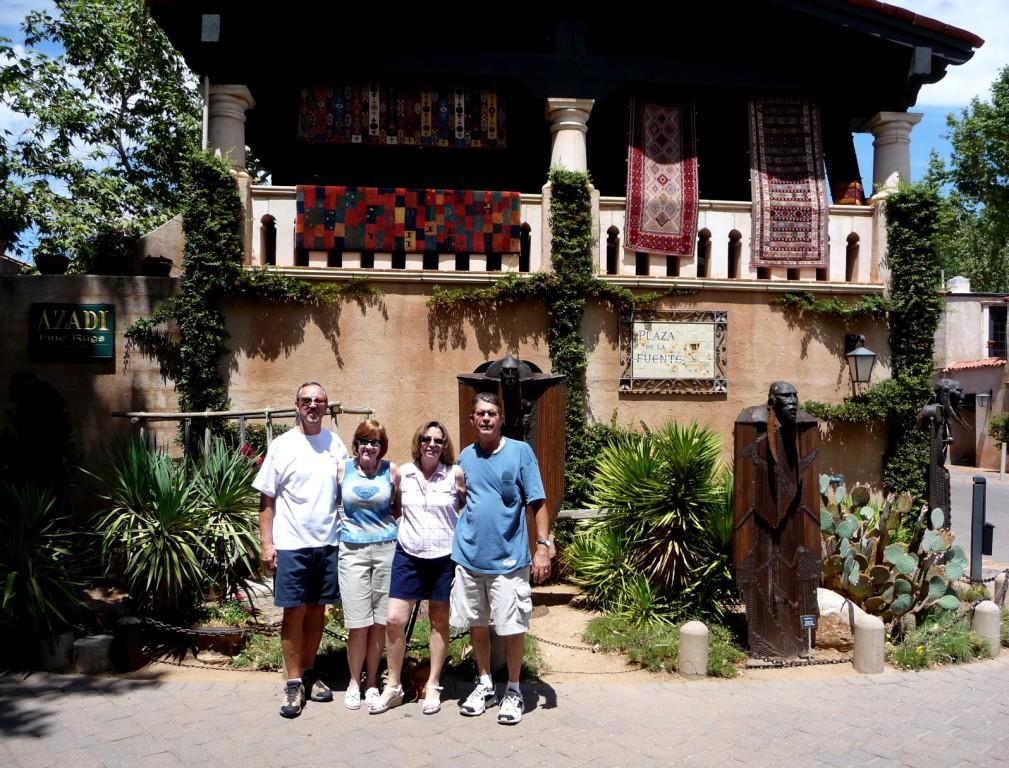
[[307, 401], [425, 439], [373, 442]]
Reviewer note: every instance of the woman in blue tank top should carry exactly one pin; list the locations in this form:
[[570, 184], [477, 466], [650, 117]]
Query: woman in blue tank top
[[368, 489]]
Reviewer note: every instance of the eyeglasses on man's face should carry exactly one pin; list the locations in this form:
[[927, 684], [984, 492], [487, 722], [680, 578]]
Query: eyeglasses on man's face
[[374, 442], [304, 402], [425, 439]]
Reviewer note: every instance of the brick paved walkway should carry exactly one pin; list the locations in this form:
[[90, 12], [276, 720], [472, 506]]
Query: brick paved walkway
[[947, 717]]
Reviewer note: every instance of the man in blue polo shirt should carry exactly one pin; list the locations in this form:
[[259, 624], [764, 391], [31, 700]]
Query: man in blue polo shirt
[[491, 552]]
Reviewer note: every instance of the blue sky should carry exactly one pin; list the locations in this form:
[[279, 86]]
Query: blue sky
[[986, 18]]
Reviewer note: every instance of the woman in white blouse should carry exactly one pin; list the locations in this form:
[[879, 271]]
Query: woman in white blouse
[[432, 491]]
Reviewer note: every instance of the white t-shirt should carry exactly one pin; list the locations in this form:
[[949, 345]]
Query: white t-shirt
[[299, 472]]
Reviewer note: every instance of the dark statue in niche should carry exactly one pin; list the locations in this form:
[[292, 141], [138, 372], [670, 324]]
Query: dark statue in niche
[[936, 418], [519, 422], [776, 516]]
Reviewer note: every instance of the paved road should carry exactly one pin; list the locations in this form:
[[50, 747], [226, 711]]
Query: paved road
[[996, 511], [949, 717]]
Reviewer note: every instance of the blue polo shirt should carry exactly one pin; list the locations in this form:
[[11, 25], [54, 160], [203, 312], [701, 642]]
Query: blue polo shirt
[[491, 535]]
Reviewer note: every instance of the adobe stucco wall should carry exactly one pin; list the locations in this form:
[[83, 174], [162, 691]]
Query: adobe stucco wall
[[397, 356], [91, 389], [392, 353]]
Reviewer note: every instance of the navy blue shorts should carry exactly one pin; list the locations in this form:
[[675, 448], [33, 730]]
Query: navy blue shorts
[[306, 575], [421, 578]]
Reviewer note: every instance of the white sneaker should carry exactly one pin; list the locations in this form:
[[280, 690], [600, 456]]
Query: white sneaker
[[372, 697], [512, 707], [478, 701], [352, 698]]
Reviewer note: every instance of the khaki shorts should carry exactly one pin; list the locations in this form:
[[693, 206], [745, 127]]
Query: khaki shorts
[[479, 599], [365, 570]]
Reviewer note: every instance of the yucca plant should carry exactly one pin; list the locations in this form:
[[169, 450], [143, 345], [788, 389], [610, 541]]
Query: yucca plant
[[40, 567], [154, 528], [668, 504], [222, 480], [596, 561]]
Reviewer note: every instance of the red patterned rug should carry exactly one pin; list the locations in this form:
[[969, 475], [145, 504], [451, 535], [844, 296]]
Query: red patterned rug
[[407, 220], [786, 176], [661, 180]]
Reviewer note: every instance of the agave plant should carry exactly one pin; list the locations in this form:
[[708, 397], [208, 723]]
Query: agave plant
[[40, 574], [154, 528], [668, 520]]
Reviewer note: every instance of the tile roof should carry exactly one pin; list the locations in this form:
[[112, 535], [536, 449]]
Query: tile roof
[[964, 365]]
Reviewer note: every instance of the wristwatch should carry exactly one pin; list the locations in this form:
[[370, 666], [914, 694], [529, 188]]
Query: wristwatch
[[546, 543]]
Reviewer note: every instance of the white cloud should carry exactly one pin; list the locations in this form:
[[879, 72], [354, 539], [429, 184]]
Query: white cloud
[[988, 19], [13, 12]]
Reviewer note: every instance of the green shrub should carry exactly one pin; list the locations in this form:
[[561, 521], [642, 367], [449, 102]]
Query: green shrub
[[998, 428], [40, 567], [662, 550], [656, 647], [940, 639]]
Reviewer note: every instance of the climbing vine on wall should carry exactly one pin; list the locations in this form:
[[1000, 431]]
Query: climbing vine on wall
[[913, 310], [211, 270]]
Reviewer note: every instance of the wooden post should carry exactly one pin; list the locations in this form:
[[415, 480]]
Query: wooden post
[[269, 428], [206, 432], [241, 431], [188, 423]]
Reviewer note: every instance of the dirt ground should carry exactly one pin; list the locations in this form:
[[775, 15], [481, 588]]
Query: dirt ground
[[557, 626]]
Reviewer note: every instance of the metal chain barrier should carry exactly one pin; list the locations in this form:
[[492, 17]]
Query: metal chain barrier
[[989, 580]]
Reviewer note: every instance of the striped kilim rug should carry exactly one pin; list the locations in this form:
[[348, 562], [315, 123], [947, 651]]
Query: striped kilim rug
[[446, 115], [407, 220], [661, 212], [787, 181]]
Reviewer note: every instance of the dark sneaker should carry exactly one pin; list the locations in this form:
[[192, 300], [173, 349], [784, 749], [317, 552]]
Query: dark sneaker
[[317, 690], [478, 701], [512, 707], [294, 700]]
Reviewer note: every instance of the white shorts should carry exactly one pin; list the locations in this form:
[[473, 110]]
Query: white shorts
[[365, 571], [479, 599]]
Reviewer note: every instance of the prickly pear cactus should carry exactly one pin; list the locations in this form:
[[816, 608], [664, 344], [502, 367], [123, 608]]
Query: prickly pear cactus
[[887, 580]]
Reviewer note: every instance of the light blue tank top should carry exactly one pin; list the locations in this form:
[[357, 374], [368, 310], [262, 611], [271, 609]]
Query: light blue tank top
[[367, 506]]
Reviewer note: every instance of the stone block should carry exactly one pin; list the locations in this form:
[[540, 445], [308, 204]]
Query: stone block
[[56, 653], [93, 654]]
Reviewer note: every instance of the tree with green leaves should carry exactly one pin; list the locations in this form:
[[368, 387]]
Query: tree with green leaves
[[110, 121], [974, 221]]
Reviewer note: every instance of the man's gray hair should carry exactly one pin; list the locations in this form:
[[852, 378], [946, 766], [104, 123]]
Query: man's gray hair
[[490, 398], [297, 393]]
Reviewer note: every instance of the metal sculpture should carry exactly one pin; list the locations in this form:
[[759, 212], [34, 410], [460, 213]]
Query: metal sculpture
[[936, 417], [776, 540]]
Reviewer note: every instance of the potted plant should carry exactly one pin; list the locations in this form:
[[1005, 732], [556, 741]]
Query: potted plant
[[50, 257]]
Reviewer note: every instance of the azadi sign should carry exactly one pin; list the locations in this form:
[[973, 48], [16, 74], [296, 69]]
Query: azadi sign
[[72, 331]]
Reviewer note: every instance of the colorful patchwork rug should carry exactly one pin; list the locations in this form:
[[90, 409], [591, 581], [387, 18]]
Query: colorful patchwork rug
[[407, 220], [661, 212], [786, 177], [389, 113]]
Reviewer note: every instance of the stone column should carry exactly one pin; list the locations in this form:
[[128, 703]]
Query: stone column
[[568, 118], [891, 148], [226, 130]]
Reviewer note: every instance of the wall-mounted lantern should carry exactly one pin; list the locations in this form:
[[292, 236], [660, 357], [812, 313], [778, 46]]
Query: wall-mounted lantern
[[860, 359]]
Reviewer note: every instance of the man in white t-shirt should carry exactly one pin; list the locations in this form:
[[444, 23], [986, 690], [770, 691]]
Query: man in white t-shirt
[[299, 537]]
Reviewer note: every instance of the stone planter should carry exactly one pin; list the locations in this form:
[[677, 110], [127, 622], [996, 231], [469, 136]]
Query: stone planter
[[226, 640]]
